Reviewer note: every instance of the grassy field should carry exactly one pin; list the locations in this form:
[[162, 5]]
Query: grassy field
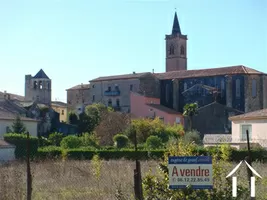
[[56, 180]]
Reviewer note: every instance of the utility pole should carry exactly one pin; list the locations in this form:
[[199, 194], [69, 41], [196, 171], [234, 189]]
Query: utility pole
[[249, 161], [29, 176]]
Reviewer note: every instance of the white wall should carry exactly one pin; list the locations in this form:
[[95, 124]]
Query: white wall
[[258, 129], [31, 126], [7, 153]]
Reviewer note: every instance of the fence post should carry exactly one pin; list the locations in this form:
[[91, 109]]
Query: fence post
[[137, 174], [249, 161], [29, 177]]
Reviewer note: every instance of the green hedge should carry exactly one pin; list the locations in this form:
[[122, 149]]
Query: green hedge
[[20, 141], [49, 152]]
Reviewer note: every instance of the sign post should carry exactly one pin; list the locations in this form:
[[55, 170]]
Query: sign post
[[190, 170]]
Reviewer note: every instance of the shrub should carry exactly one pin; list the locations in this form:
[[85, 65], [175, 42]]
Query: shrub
[[153, 142], [193, 136], [49, 152], [42, 141], [20, 141], [70, 142], [120, 140], [89, 140], [55, 138]]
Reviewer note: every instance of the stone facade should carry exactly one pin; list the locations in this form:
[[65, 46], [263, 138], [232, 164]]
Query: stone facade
[[38, 88], [176, 55], [264, 91], [115, 91], [253, 92], [78, 96]]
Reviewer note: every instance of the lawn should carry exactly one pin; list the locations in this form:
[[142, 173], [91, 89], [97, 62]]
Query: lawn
[[56, 180]]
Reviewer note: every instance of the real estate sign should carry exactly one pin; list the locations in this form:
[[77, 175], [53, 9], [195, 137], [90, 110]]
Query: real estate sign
[[190, 170]]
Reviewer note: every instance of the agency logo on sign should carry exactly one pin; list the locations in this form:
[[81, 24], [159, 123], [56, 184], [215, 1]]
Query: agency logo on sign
[[252, 180]]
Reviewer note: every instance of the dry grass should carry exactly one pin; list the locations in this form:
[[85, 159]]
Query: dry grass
[[71, 180]]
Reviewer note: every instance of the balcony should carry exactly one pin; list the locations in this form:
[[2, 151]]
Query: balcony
[[112, 93]]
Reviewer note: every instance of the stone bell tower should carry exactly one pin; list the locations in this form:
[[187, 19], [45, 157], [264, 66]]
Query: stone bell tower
[[176, 49], [38, 88]]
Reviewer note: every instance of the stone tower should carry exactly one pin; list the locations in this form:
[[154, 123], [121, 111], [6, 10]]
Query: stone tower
[[38, 88], [176, 55]]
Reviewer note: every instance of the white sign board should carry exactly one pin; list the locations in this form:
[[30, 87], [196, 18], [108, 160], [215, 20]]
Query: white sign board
[[190, 170]]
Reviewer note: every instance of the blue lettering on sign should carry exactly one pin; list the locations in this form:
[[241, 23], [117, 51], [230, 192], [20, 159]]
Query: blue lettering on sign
[[190, 160]]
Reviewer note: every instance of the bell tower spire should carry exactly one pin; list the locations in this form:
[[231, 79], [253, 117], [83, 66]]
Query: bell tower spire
[[176, 54]]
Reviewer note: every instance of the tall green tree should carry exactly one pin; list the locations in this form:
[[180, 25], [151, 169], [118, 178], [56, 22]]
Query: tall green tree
[[18, 126], [73, 118], [190, 110]]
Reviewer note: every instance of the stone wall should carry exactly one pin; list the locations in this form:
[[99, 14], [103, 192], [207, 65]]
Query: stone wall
[[77, 97], [229, 92], [176, 94], [149, 86], [265, 91], [253, 103]]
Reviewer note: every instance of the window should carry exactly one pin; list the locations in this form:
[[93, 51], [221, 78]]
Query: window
[[167, 92], [35, 84], [116, 87], [48, 85], [182, 50], [62, 112], [237, 88], [37, 97], [118, 103], [171, 50], [109, 88], [185, 86], [178, 120], [110, 102], [254, 88], [93, 86], [93, 98], [131, 87], [8, 130], [244, 129], [40, 85]]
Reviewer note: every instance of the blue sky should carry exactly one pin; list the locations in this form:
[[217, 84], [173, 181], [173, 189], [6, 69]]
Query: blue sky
[[74, 41]]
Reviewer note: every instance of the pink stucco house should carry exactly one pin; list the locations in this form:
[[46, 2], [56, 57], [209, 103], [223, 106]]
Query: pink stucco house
[[149, 107]]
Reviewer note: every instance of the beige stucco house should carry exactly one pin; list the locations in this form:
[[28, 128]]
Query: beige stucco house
[[61, 109], [7, 119], [256, 124]]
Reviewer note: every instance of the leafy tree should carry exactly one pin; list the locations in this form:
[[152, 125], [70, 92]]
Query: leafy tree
[[86, 124], [190, 110], [71, 142], [73, 118], [193, 136], [120, 140], [55, 138], [18, 126]]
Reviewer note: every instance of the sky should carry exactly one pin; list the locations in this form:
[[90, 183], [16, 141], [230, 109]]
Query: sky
[[75, 41]]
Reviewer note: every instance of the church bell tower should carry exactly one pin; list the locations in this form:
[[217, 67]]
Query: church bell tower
[[176, 49]]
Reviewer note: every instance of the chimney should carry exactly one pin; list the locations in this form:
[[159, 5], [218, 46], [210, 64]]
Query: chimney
[[153, 71]]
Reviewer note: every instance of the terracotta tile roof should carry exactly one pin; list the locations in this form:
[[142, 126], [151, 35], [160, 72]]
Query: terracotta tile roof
[[79, 87], [9, 106], [240, 69], [12, 116], [119, 77], [12, 96], [164, 109], [258, 114]]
